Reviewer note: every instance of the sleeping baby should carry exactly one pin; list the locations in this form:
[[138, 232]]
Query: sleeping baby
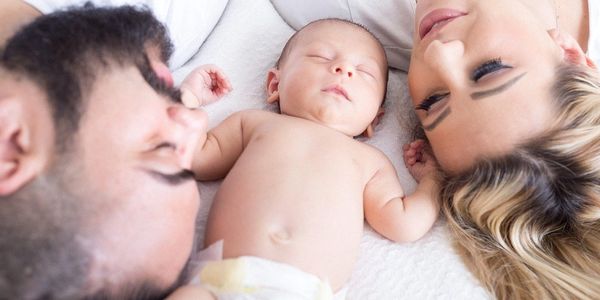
[[298, 185]]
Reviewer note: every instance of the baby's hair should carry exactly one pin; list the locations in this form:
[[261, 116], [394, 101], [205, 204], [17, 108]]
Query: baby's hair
[[289, 45]]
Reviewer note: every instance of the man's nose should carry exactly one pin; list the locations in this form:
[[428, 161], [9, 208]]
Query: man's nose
[[190, 119], [343, 68], [190, 129], [446, 59]]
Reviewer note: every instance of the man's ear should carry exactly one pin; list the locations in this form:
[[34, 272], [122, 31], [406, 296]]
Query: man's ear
[[17, 165], [273, 85], [368, 133], [572, 51]]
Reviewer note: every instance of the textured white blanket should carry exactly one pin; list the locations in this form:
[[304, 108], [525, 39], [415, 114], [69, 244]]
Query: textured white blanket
[[245, 44]]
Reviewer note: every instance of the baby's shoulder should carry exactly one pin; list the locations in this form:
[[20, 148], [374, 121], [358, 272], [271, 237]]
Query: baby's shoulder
[[375, 155], [251, 120], [254, 116]]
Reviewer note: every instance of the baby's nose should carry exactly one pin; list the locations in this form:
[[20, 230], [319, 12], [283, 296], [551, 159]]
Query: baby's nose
[[343, 69]]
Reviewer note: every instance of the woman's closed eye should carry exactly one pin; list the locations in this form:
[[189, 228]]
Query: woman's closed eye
[[428, 103], [488, 68]]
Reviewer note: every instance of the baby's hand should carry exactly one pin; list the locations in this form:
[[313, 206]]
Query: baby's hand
[[205, 84], [418, 159]]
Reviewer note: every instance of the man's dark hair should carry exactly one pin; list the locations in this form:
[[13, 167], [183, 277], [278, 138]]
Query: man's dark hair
[[41, 256], [62, 52]]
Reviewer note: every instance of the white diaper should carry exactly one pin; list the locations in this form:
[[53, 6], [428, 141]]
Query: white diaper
[[250, 277]]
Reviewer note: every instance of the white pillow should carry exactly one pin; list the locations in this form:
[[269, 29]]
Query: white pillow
[[189, 21], [392, 21]]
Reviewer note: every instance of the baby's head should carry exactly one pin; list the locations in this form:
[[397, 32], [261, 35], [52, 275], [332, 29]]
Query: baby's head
[[333, 72]]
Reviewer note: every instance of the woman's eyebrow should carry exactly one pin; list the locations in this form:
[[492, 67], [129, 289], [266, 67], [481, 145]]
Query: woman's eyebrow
[[496, 90], [445, 113]]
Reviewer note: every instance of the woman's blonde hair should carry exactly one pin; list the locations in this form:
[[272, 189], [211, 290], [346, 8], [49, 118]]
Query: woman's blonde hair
[[528, 224]]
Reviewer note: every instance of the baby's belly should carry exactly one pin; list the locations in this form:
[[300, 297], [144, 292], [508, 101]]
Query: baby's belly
[[319, 234]]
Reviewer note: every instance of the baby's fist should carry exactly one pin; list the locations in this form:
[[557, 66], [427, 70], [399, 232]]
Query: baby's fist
[[204, 85], [419, 160]]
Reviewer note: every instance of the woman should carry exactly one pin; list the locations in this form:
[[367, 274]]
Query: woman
[[510, 105]]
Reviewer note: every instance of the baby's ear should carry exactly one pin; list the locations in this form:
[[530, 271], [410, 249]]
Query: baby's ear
[[273, 85], [368, 133], [572, 52]]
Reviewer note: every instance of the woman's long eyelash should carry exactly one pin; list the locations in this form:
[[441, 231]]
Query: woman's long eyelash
[[430, 101], [488, 67]]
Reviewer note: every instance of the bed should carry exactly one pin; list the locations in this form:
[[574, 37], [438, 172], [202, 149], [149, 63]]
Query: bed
[[245, 43]]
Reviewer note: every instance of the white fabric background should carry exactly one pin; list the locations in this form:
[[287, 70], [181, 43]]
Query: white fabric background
[[189, 21]]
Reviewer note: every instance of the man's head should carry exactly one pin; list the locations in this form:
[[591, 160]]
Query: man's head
[[333, 72], [94, 151]]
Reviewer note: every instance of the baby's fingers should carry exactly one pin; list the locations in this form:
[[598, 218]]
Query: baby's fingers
[[409, 155], [220, 85]]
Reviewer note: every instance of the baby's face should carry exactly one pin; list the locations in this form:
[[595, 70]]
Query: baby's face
[[335, 75]]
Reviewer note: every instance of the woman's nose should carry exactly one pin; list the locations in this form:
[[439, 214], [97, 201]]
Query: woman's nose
[[446, 59], [343, 68]]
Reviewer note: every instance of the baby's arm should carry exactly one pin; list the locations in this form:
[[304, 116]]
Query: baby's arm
[[221, 148], [204, 85], [398, 217]]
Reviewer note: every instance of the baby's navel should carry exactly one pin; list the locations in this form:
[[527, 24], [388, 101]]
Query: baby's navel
[[280, 235]]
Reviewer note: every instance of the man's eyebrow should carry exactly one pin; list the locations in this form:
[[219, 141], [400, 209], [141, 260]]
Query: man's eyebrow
[[158, 84], [496, 90], [163, 88], [445, 113]]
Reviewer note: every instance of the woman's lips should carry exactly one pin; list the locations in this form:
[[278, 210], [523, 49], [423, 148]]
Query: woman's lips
[[437, 19]]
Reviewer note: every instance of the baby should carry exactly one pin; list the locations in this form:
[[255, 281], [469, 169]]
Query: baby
[[298, 186]]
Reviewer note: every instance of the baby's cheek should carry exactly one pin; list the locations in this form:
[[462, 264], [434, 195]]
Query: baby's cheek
[[162, 71]]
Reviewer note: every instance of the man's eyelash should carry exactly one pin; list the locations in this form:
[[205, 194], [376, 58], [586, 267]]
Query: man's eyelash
[[430, 101], [166, 145], [488, 67], [178, 178]]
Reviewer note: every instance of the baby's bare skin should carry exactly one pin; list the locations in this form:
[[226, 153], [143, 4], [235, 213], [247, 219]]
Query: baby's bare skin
[[295, 195], [297, 185]]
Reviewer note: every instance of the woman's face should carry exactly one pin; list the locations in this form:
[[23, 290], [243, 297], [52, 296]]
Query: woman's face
[[480, 77]]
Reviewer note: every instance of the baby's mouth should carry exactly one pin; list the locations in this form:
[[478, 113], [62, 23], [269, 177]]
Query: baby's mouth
[[337, 90]]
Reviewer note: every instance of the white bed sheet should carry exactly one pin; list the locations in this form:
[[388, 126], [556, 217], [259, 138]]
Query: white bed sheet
[[245, 44]]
